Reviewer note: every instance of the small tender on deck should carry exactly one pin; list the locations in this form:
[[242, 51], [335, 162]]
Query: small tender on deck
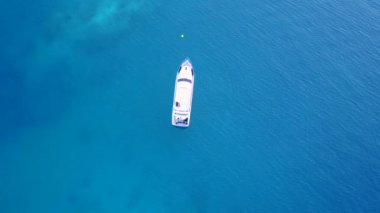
[[183, 94]]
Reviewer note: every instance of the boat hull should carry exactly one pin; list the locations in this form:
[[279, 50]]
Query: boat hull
[[183, 95]]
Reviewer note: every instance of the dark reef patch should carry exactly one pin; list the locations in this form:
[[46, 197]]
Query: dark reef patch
[[24, 106], [13, 116]]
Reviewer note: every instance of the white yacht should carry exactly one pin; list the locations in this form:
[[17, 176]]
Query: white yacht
[[183, 94]]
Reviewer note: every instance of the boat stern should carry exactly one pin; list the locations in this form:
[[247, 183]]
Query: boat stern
[[180, 120]]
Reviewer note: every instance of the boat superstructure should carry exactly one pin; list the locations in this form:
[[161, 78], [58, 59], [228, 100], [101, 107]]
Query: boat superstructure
[[183, 94]]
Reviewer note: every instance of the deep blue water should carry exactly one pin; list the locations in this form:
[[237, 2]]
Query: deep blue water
[[285, 112]]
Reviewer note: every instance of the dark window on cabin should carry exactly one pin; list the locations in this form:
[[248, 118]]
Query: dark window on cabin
[[185, 79]]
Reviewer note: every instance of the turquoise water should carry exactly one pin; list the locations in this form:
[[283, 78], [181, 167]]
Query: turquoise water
[[284, 119]]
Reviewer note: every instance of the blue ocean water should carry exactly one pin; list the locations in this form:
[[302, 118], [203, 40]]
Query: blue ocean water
[[285, 113]]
